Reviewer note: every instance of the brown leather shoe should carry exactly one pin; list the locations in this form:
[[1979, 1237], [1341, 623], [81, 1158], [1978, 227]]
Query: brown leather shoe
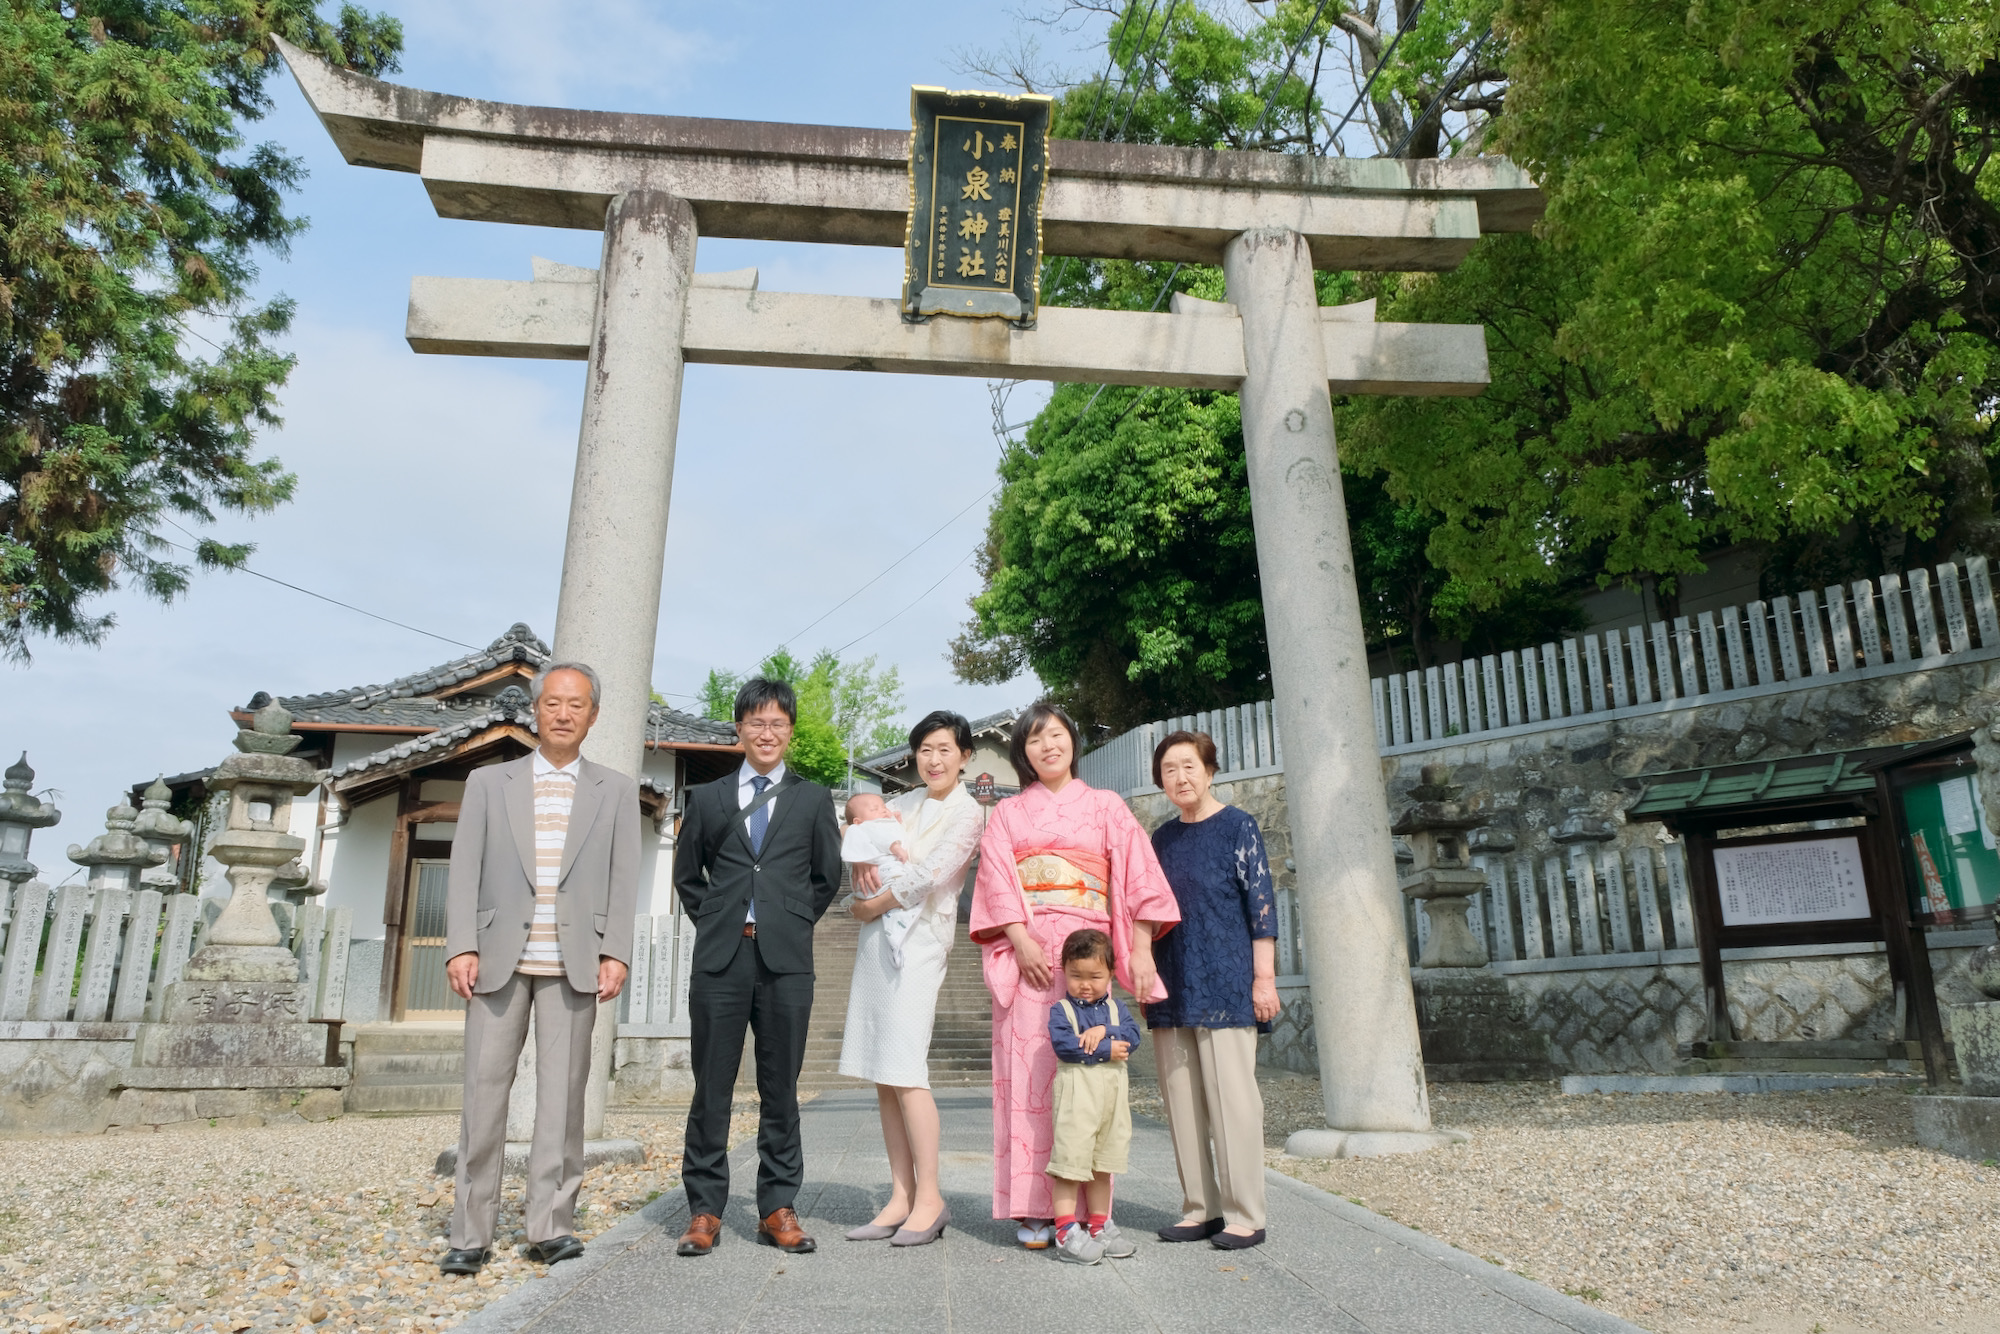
[[704, 1230], [781, 1229]]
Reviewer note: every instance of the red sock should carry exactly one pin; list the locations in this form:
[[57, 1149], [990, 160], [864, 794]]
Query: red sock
[[1097, 1222], [1064, 1223]]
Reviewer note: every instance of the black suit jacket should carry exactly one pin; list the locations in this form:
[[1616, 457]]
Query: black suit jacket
[[793, 879]]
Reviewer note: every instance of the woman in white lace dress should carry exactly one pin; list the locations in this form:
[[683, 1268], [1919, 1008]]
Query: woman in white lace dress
[[890, 1010]]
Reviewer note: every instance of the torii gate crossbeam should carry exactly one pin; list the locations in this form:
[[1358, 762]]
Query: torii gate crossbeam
[[653, 183]]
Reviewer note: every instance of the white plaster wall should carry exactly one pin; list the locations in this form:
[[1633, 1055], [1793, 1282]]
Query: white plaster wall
[[656, 870], [656, 849], [360, 865]]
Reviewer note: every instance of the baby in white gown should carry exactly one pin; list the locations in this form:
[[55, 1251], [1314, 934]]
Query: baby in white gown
[[875, 835]]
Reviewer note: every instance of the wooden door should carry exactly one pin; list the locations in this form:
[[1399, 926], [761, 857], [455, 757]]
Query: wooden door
[[425, 993]]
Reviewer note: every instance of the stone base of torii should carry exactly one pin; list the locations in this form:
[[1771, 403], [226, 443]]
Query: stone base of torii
[[653, 183]]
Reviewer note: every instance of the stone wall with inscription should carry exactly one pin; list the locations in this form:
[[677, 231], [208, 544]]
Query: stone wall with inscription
[[1631, 1018]]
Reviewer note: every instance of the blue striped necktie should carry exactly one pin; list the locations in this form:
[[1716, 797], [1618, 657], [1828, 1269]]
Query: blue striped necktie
[[760, 819]]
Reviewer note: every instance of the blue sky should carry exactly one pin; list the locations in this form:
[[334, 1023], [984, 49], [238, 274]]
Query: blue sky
[[435, 490]]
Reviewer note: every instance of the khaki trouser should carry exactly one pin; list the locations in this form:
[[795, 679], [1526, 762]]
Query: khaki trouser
[[1208, 1080], [496, 1027], [1093, 1120]]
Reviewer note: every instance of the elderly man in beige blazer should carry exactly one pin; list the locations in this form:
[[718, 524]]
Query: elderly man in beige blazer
[[538, 919]]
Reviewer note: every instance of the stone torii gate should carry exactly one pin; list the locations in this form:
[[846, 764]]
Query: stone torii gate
[[651, 184]]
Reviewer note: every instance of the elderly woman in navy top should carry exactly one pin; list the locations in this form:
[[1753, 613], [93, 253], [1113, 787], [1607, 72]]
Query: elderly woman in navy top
[[1220, 971]]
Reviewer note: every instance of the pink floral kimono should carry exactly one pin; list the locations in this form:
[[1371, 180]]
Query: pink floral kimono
[[1057, 862]]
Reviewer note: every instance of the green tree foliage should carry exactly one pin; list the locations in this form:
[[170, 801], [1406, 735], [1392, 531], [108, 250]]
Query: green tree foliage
[[844, 708], [1119, 564], [1765, 306], [131, 207]]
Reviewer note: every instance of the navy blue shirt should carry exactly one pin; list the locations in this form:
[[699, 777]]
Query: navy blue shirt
[[1068, 1041], [1222, 880]]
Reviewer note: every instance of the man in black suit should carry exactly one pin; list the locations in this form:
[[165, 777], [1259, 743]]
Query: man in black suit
[[756, 865]]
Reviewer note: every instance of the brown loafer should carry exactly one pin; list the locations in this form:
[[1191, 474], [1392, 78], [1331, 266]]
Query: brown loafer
[[781, 1228], [703, 1231]]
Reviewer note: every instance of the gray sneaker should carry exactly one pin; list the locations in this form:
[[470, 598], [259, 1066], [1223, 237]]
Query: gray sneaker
[[1116, 1245], [1079, 1247]]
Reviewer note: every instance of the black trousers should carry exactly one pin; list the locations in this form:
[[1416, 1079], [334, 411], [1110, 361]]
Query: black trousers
[[777, 1007]]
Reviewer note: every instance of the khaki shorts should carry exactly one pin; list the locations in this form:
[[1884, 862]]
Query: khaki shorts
[[1093, 1121]]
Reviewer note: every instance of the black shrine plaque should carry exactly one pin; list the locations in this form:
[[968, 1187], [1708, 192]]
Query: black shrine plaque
[[978, 163]]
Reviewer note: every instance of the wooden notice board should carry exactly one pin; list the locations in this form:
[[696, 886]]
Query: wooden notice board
[[1834, 872]]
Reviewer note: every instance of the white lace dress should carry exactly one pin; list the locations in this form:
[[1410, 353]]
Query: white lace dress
[[890, 1010]]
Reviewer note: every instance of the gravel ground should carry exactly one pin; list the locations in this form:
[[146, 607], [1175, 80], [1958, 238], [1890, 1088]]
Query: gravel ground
[[336, 1226], [1690, 1213]]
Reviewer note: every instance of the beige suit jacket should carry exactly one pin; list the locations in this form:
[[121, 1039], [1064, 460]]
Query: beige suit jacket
[[490, 904]]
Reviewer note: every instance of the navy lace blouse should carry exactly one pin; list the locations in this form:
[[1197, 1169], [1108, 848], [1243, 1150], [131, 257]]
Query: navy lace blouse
[[1222, 879]]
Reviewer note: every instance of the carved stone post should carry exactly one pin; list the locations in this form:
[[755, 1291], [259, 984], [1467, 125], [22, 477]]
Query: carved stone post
[[161, 830], [1439, 878]]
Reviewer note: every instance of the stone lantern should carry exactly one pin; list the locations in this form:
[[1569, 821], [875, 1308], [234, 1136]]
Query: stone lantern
[[235, 1036], [256, 846], [1470, 1023], [1439, 877], [20, 816], [115, 857], [161, 831]]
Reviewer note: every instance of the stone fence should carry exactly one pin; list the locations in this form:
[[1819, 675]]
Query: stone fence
[[86, 968], [1586, 915], [89, 957], [1892, 626]]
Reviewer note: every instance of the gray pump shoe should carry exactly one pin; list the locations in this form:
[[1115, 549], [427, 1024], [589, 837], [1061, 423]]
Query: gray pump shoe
[[905, 1237], [872, 1232]]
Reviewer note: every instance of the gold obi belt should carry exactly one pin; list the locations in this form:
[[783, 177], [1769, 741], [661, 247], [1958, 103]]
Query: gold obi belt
[[1066, 878]]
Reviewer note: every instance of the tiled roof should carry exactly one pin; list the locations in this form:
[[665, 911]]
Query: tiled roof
[[992, 722], [519, 644], [410, 701], [509, 706]]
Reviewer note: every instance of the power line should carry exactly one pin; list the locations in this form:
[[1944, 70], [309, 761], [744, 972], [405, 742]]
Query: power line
[[1376, 73], [1152, 61], [893, 564], [911, 603], [245, 569], [1091, 131], [1290, 61], [1470, 62]]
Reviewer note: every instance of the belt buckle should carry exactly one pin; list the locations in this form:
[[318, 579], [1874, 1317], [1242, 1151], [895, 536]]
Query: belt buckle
[[750, 930]]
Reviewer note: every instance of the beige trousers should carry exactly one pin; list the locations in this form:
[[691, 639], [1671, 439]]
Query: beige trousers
[[1208, 1080], [496, 1026]]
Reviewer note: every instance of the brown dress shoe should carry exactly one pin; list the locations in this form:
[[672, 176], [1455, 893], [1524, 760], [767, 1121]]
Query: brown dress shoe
[[704, 1230], [781, 1229]]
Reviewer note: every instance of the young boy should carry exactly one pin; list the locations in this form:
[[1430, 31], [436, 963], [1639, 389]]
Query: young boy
[[1093, 1036], [875, 835]]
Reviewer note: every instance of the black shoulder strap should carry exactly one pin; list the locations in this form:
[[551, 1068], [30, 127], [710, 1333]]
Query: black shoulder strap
[[734, 816]]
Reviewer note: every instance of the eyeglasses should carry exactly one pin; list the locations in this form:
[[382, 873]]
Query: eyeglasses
[[760, 727]]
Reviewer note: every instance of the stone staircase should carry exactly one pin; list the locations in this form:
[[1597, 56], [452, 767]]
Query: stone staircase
[[407, 1069], [961, 1042]]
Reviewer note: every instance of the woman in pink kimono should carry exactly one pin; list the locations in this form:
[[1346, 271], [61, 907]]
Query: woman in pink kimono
[[1060, 857]]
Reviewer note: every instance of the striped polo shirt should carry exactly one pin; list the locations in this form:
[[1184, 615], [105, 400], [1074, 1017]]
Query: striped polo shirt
[[555, 791]]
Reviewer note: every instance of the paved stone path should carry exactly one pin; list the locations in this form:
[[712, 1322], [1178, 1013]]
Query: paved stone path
[[1330, 1265]]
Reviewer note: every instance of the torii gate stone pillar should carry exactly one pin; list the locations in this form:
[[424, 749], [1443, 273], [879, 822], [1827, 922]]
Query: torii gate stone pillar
[[1364, 1015], [1269, 219], [614, 554]]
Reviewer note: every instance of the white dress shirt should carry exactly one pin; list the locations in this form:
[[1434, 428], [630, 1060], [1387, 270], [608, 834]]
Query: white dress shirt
[[745, 794]]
